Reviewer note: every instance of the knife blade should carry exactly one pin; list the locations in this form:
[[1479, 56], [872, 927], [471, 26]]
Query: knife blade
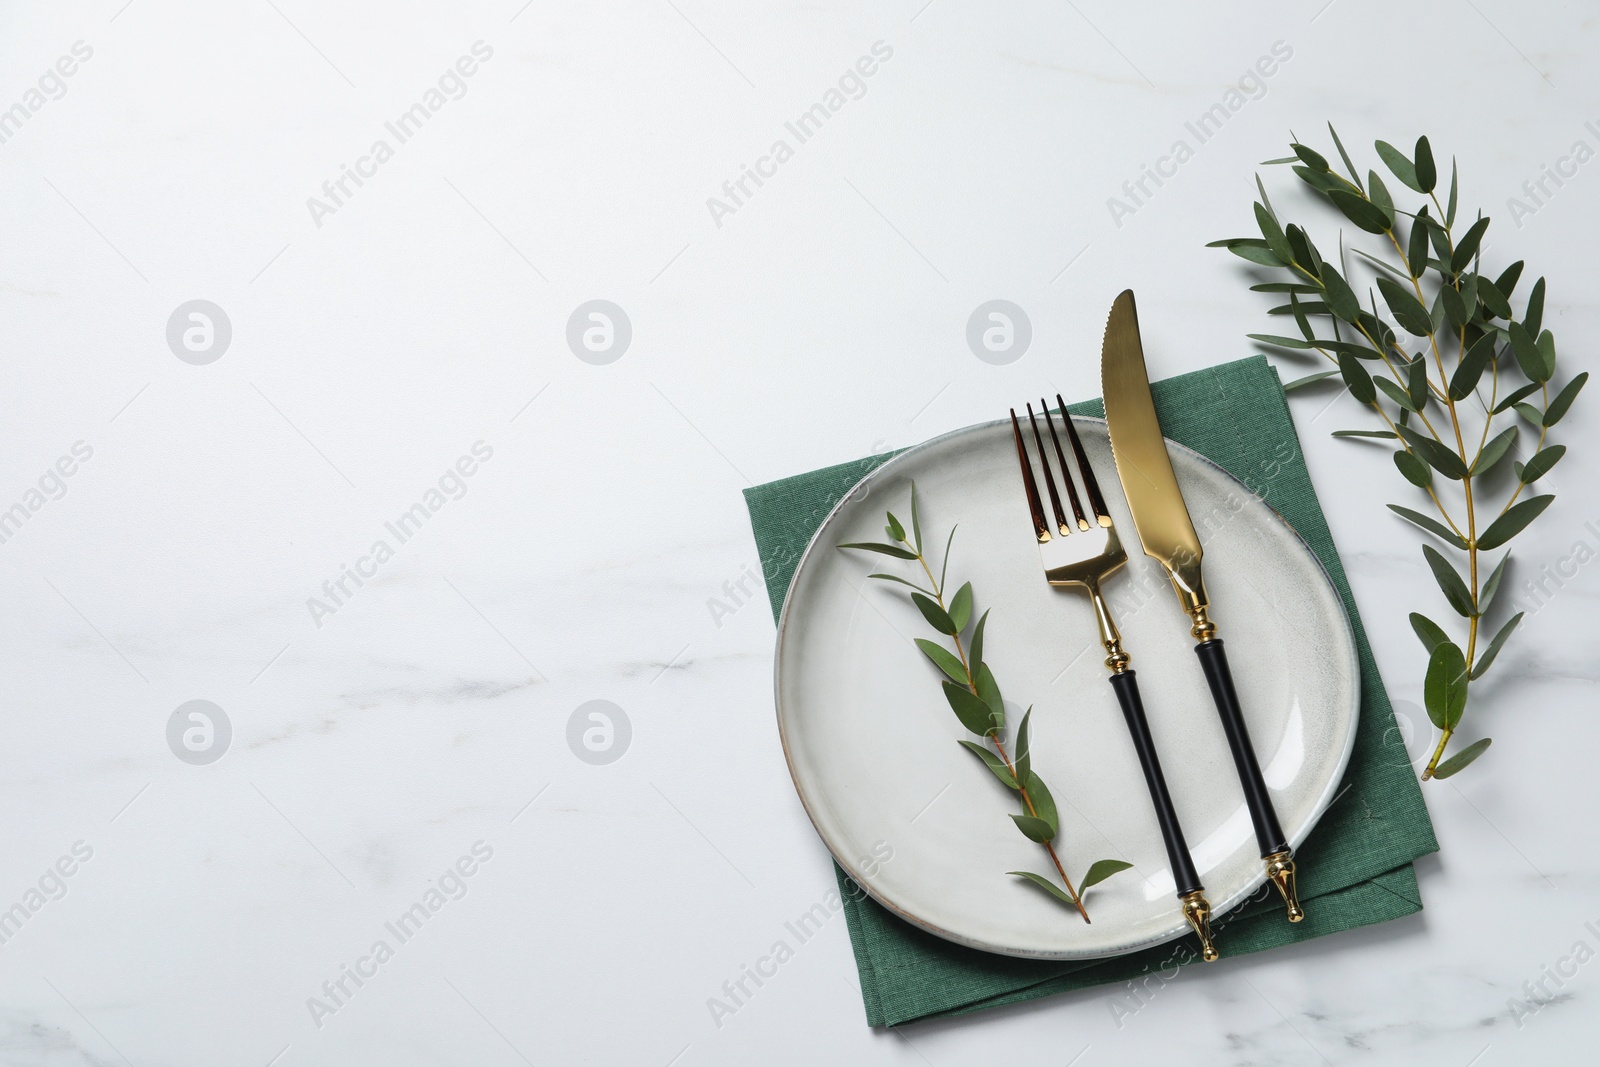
[[1167, 535], [1143, 466]]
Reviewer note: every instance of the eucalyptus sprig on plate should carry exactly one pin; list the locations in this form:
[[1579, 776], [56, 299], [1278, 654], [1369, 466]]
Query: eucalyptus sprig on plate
[[1454, 406], [972, 693]]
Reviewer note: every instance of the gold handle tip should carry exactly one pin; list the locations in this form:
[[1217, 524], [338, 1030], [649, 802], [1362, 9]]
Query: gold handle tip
[[1198, 914], [1280, 872]]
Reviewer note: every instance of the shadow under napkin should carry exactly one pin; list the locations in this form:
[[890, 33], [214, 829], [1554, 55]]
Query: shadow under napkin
[[1357, 862]]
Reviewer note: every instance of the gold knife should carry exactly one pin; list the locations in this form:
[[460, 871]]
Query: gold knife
[[1168, 536]]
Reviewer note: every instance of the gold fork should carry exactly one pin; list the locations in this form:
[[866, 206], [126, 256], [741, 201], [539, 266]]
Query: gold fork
[[1085, 552]]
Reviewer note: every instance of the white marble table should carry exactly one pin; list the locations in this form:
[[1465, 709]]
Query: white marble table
[[398, 718]]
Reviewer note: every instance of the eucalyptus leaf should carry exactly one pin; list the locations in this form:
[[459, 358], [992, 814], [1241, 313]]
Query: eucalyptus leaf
[[896, 551], [1320, 180], [1428, 631], [1507, 282], [1310, 157], [937, 617], [1046, 884], [895, 531], [1384, 434], [1305, 253], [1378, 193], [1408, 310], [1471, 367], [1262, 189], [1457, 763], [1422, 161], [989, 693], [1540, 464], [975, 653], [1493, 298], [1513, 521], [1513, 398], [1034, 830], [1417, 383], [896, 578], [1440, 239], [1450, 207], [1100, 870], [1340, 297], [961, 607], [1533, 415], [969, 708], [1348, 348], [1444, 688], [1545, 346], [944, 659], [1526, 349], [1356, 378], [1467, 247], [1306, 307], [1492, 586], [1395, 393], [1436, 455], [1260, 254], [1044, 805], [1381, 265], [1450, 583], [1400, 166], [1277, 243], [1417, 245], [993, 762], [1486, 660], [1284, 287], [1281, 342], [1355, 175], [944, 565], [1359, 211], [1415, 471], [916, 520], [1494, 451], [1022, 751], [1300, 383], [1433, 526], [1558, 407], [1533, 318]]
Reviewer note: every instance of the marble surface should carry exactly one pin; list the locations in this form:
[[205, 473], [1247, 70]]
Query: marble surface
[[400, 759]]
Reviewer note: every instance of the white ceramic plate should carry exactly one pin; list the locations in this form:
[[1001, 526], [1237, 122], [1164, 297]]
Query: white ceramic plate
[[871, 742]]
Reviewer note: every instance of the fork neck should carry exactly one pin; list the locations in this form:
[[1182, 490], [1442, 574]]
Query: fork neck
[[1117, 660]]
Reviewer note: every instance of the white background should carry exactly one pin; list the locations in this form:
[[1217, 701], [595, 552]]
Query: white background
[[823, 320]]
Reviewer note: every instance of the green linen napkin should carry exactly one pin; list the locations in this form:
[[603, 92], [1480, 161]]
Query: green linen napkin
[[1356, 865]]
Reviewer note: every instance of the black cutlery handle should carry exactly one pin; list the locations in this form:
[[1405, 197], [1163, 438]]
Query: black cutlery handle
[[1183, 872], [1214, 661]]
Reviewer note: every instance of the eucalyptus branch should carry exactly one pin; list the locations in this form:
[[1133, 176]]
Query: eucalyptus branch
[[1468, 319], [972, 693]]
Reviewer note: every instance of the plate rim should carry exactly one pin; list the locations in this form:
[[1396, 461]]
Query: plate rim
[[1254, 884]]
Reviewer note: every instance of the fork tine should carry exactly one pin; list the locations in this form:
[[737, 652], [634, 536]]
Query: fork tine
[[1096, 501], [1049, 476], [1072, 493], [1041, 528]]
